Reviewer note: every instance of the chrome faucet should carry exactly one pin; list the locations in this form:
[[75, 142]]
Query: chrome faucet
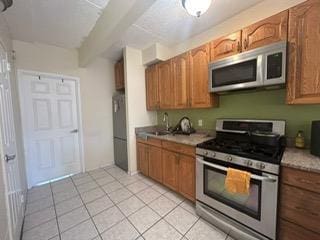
[[166, 120]]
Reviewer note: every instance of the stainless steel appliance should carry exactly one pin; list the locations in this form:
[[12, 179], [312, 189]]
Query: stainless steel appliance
[[251, 216], [120, 131], [260, 67]]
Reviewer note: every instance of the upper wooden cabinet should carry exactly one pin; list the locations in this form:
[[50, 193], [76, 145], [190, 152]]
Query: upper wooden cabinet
[[200, 97], [152, 88], [225, 46], [270, 30], [119, 75], [166, 92], [303, 81], [180, 75]]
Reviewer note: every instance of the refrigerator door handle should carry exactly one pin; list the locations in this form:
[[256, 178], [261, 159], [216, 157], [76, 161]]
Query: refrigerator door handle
[[115, 106]]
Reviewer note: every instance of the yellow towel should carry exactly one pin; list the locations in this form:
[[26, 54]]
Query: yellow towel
[[237, 181]]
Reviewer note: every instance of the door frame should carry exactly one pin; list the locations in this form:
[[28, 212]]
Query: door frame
[[20, 73]]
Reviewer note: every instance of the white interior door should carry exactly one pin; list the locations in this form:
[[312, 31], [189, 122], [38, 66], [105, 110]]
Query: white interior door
[[9, 158], [50, 127]]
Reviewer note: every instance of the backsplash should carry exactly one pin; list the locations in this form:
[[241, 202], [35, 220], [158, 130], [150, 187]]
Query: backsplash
[[267, 104]]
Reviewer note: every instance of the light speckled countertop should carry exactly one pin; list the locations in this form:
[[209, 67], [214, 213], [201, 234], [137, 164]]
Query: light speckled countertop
[[301, 159], [191, 140]]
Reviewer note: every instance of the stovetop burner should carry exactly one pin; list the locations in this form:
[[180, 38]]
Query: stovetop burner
[[272, 154]]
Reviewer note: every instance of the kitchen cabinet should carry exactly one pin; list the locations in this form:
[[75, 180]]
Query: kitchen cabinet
[[200, 97], [142, 158], [166, 85], [267, 31], [299, 205], [304, 56], [119, 75], [187, 185], [152, 88], [170, 161], [225, 46], [155, 163], [180, 75], [149, 158]]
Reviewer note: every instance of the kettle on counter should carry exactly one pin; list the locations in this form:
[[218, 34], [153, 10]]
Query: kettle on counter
[[184, 127]]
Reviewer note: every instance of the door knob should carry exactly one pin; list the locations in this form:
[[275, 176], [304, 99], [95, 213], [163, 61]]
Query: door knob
[[74, 131], [9, 158]]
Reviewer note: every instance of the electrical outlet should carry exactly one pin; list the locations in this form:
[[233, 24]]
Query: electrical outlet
[[200, 123]]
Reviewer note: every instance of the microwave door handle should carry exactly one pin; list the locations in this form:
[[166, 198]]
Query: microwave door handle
[[225, 169], [260, 67]]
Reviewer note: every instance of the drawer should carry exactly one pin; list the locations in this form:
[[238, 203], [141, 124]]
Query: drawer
[[179, 148], [150, 141], [290, 231], [303, 179], [301, 207]]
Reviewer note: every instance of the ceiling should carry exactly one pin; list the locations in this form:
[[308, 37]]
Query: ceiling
[[63, 23], [66, 23], [166, 22]]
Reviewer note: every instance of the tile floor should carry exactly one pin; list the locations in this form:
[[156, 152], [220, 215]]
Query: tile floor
[[108, 204]]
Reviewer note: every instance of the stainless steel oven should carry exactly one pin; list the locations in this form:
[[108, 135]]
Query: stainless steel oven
[[259, 67], [255, 213]]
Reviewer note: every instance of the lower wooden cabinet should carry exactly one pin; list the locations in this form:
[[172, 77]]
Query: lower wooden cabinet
[[187, 185], [155, 163], [299, 207], [169, 163], [142, 157]]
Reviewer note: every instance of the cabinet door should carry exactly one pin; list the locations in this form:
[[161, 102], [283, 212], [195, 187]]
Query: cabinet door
[[291, 231], [303, 86], [165, 85], [152, 88], [270, 30], [142, 159], [170, 164], [155, 163], [119, 75], [226, 46], [187, 176], [199, 78], [180, 75]]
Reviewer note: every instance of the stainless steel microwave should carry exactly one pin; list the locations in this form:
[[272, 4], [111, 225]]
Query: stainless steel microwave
[[259, 67]]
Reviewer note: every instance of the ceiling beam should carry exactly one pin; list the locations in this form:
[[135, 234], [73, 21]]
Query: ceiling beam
[[116, 18]]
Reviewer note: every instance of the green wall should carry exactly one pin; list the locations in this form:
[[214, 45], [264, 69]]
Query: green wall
[[266, 104]]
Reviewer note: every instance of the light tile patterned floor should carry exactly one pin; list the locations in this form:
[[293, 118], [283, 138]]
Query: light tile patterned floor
[[108, 204]]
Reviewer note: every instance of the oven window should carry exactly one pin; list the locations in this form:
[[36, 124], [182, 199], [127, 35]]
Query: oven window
[[238, 73], [214, 187]]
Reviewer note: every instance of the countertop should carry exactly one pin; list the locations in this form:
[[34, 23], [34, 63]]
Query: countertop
[[301, 159], [192, 139]]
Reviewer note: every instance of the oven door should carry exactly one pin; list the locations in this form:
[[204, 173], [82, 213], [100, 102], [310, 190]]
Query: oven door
[[258, 210]]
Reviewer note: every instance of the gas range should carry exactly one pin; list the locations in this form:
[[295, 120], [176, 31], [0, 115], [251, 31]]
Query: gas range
[[234, 143], [254, 146]]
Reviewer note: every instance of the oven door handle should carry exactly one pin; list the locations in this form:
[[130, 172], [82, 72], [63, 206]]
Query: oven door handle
[[225, 169]]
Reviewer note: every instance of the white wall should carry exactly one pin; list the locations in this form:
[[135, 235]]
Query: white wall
[[137, 114], [96, 89]]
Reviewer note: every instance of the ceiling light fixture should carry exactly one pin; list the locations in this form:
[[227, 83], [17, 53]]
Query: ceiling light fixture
[[196, 7], [4, 4]]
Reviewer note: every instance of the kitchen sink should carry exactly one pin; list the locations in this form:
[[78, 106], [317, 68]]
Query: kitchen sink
[[159, 133]]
